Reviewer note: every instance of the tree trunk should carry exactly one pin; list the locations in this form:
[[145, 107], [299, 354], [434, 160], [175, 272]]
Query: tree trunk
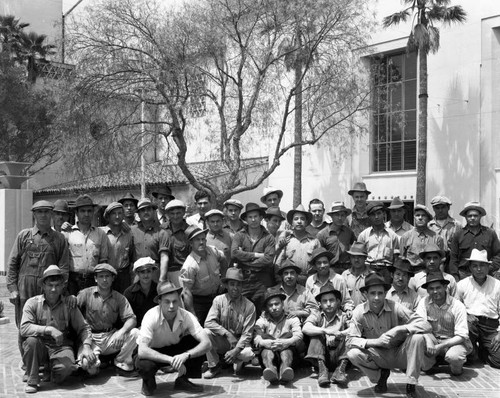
[[422, 129], [297, 158]]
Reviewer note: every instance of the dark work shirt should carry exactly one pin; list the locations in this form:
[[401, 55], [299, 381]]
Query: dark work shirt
[[140, 302], [178, 246], [344, 239], [315, 230], [149, 241]]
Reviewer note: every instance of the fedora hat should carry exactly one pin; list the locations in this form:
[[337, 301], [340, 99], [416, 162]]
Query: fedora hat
[[61, 206], [233, 274], [479, 256], [164, 191], [252, 207], [473, 206], [193, 231], [273, 292], [213, 212], [440, 200], [84, 200], [287, 263], [358, 249], [396, 203], [374, 279], [374, 206], [431, 248], [320, 252], [129, 196], [175, 204], [436, 276], [52, 270], [268, 191], [42, 205], [328, 288], [424, 209], [337, 207], [359, 187], [112, 206], [274, 211], [402, 264], [299, 209], [145, 202], [104, 267], [233, 202], [166, 288], [143, 263]]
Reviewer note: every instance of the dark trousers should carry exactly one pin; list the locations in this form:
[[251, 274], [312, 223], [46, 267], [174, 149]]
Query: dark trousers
[[482, 332], [147, 368], [122, 280], [318, 350], [77, 282], [201, 306]]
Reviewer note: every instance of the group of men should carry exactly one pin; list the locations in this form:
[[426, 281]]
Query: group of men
[[155, 289]]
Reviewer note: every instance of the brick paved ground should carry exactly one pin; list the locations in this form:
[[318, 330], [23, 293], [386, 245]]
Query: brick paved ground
[[477, 381]]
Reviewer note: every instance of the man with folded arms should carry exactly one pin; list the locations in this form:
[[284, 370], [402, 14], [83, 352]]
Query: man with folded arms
[[46, 325], [229, 326], [170, 335], [217, 236]]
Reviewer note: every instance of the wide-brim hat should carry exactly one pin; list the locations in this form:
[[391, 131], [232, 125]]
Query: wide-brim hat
[[164, 191], [233, 274], [374, 206], [431, 248], [374, 279], [105, 267], [213, 212], [402, 264], [233, 202], [175, 204], [42, 205], [359, 187], [143, 263], [273, 292], [320, 252], [328, 288], [84, 200], [274, 212], [193, 231], [145, 202], [299, 209], [396, 203], [112, 206], [358, 249], [287, 263], [473, 206], [52, 270], [425, 209], [129, 196], [268, 191], [252, 207], [61, 206], [436, 276], [479, 256], [165, 288], [440, 200], [337, 207]]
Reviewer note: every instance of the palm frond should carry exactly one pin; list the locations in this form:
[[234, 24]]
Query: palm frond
[[396, 18], [433, 39], [421, 37], [411, 46]]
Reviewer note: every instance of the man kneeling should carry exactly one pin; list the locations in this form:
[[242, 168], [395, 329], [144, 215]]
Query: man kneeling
[[277, 334], [46, 324], [327, 330], [172, 336]]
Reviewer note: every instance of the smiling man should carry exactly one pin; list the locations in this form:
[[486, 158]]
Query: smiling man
[[400, 292]]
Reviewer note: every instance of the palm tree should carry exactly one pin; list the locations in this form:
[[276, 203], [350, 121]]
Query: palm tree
[[32, 51], [424, 38], [10, 29]]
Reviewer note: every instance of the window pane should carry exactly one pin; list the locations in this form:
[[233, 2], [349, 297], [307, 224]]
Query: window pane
[[396, 91], [411, 94], [410, 66], [410, 155], [396, 156], [410, 125], [397, 124]]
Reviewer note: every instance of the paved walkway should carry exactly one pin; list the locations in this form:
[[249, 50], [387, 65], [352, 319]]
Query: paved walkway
[[478, 381]]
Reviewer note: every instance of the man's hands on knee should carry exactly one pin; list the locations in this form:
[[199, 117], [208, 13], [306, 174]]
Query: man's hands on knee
[[179, 360]]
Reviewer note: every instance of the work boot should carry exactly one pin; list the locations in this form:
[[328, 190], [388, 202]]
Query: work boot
[[381, 386], [339, 376], [212, 372], [411, 391], [323, 380]]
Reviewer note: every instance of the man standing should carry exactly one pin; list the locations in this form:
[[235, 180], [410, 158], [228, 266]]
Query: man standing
[[229, 326], [448, 318], [150, 240], [317, 209], [47, 325], [480, 294], [88, 246], [397, 213], [60, 214], [443, 224], [355, 276], [277, 334], [273, 219], [203, 204], [217, 236], [400, 292], [201, 273], [413, 242], [120, 245], [359, 218], [129, 203], [170, 335], [232, 210], [162, 196], [338, 236], [384, 335], [473, 236], [102, 306], [253, 249], [271, 197]]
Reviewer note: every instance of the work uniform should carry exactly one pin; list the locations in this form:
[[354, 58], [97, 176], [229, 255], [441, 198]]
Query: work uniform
[[121, 252], [314, 285], [413, 242], [140, 302], [345, 238]]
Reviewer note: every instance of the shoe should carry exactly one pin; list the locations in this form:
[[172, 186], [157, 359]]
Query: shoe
[[183, 383], [212, 372], [286, 374], [255, 361], [237, 367], [314, 373], [339, 376], [323, 380], [381, 386], [456, 370], [25, 377], [126, 373], [148, 387], [270, 375], [411, 391], [29, 389]]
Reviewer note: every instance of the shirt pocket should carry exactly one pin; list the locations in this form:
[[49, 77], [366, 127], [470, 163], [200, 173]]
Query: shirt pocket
[[96, 250], [76, 250]]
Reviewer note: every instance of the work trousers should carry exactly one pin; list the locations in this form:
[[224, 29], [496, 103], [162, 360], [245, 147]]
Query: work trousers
[[318, 350], [220, 345], [482, 331]]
